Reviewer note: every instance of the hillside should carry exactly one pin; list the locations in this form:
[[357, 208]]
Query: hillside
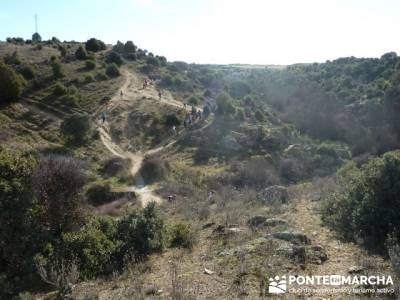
[[111, 188]]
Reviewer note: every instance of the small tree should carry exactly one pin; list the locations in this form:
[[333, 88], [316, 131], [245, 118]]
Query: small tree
[[95, 45], [57, 183], [112, 70], [114, 57], [76, 128], [90, 64], [36, 37], [140, 233], [11, 84], [129, 47], [57, 68], [193, 100], [80, 53], [224, 104], [172, 120], [119, 47], [18, 214], [259, 115], [152, 61]]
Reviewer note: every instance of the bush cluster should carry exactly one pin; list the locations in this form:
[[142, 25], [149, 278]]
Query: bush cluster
[[364, 207], [76, 128], [11, 84]]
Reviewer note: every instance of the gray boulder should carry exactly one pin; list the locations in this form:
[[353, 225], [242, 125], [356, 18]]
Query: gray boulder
[[274, 194], [258, 221], [297, 238]]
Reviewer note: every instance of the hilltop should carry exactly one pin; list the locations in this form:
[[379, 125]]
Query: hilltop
[[120, 192]]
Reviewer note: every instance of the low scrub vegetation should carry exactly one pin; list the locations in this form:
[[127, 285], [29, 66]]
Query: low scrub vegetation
[[11, 84], [363, 208]]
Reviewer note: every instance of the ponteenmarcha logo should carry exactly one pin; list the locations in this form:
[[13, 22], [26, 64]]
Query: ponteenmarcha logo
[[277, 285], [280, 284]]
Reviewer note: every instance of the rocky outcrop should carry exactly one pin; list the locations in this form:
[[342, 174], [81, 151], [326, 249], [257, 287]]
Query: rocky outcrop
[[293, 237]]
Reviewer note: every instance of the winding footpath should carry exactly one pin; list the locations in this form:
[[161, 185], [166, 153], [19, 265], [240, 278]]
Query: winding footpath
[[132, 88]]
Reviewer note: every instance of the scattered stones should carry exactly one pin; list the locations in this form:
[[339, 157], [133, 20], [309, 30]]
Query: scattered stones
[[208, 272], [208, 225], [316, 254], [247, 248], [258, 221], [355, 269], [220, 229], [233, 230], [303, 254], [293, 237], [275, 194], [274, 222]]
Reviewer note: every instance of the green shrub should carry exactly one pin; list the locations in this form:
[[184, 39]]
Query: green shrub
[[90, 64], [224, 104], [181, 235], [91, 247], [57, 182], [36, 37], [69, 100], [172, 120], [140, 233], [112, 70], [153, 169], [114, 58], [101, 76], [240, 115], [167, 80], [94, 45], [80, 53], [63, 50], [76, 128], [193, 100], [98, 194], [239, 89], [152, 61], [19, 235], [131, 56], [259, 115], [364, 208], [129, 47], [11, 84], [115, 166], [12, 59], [119, 47], [59, 89], [88, 78], [57, 68], [28, 71]]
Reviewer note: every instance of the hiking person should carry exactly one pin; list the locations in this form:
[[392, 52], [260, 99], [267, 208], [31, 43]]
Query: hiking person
[[122, 94], [174, 129], [159, 94], [144, 84], [103, 116], [190, 119]]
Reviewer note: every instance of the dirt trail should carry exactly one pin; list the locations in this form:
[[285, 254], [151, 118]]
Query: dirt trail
[[133, 88]]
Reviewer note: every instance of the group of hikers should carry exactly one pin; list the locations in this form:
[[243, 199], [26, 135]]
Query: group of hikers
[[191, 117], [147, 82]]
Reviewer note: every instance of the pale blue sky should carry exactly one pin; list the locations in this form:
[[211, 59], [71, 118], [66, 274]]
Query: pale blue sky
[[218, 31]]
